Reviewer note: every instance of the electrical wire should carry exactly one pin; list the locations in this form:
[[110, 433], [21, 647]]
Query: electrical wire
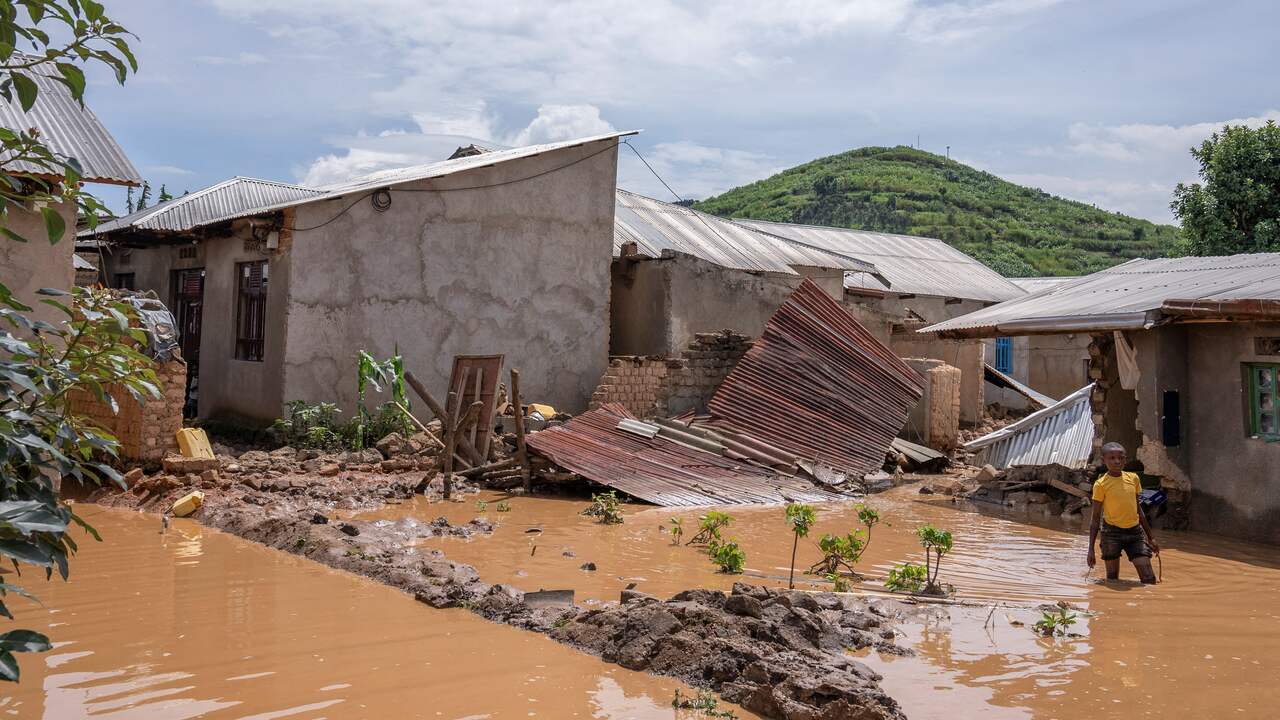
[[389, 190]]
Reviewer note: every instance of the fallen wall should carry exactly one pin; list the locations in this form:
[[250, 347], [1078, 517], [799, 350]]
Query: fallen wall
[[146, 431], [935, 420], [967, 355], [650, 387], [491, 260]]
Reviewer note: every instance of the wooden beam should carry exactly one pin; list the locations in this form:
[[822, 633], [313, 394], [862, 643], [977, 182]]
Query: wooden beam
[[443, 415], [522, 450]]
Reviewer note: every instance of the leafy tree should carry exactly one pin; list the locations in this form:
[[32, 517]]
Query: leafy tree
[[92, 350], [50, 38], [164, 194], [1236, 207], [144, 196]]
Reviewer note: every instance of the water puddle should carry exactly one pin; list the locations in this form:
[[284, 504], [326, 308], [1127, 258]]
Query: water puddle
[[197, 623], [1199, 645]]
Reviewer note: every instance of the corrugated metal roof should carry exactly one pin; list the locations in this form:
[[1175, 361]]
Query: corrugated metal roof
[[1061, 433], [1001, 380], [912, 265], [1127, 296], [230, 198], [216, 210], [655, 226], [819, 386], [69, 129], [1036, 284], [661, 471], [80, 263]]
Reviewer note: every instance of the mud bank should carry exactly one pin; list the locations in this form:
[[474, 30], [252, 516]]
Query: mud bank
[[778, 653]]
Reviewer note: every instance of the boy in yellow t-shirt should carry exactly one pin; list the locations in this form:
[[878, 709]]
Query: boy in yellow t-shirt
[[1124, 526]]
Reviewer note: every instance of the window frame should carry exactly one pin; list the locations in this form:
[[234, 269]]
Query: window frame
[[250, 346], [1256, 393]]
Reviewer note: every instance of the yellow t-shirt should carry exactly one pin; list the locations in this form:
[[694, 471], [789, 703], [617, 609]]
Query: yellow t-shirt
[[1119, 496]]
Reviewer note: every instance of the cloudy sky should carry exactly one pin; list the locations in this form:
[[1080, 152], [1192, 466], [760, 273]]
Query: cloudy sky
[[1095, 100]]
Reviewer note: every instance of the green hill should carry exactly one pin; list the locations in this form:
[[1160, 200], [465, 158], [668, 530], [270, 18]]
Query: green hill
[[1016, 230]]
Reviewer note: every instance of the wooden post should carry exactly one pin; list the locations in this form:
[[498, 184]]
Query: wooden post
[[522, 451], [450, 439], [463, 444], [455, 434], [422, 428], [474, 434]]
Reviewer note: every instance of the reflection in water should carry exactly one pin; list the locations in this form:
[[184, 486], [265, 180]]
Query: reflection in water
[[1202, 644], [196, 623]]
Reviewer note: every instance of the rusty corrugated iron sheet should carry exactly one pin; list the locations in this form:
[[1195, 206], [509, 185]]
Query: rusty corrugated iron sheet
[[661, 471], [819, 386]]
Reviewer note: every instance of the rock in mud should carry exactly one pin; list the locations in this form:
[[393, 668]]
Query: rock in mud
[[588, 566], [349, 529], [318, 519]]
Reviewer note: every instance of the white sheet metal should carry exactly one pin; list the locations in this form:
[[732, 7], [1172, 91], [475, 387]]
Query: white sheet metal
[[655, 226], [911, 265], [1127, 296], [229, 198], [1061, 433]]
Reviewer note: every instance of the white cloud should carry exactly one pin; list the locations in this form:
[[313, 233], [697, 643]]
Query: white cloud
[[694, 171], [555, 123], [244, 58], [168, 170], [954, 21], [1149, 198], [1139, 141]]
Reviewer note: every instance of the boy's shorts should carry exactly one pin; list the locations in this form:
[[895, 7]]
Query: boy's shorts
[[1131, 540]]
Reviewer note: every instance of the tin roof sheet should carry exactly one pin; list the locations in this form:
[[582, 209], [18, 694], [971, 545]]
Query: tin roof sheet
[[216, 203], [999, 379], [69, 129], [661, 471], [1061, 433], [819, 386], [1036, 284], [1127, 296], [655, 226], [911, 265]]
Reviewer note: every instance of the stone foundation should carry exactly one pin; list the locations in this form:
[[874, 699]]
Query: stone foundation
[[661, 387]]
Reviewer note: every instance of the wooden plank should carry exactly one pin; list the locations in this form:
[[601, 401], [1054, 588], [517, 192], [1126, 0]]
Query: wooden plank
[[442, 414], [1068, 488], [522, 450]]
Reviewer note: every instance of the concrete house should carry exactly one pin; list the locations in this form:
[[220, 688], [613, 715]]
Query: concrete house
[[1186, 355], [71, 130], [278, 286]]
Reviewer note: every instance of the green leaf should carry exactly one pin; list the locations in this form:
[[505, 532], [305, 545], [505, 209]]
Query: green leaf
[[86, 527], [27, 90], [24, 641], [54, 225], [8, 667], [26, 552], [73, 78]]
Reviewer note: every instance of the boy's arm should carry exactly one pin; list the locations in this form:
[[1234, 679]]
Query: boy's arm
[[1146, 528], [1095, 522]]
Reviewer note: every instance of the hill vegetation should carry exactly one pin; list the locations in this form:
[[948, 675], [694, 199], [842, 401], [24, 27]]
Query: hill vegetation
[[1016, 230]]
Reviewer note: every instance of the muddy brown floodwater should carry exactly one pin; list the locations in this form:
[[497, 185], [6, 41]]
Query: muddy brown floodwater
[[1202, 644], [197, 623]]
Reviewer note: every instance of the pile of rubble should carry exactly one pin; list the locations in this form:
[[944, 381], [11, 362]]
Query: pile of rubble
[[1047, 489]]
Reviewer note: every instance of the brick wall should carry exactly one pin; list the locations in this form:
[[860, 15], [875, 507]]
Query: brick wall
[[935, 421], [146, 431], [661, 387]]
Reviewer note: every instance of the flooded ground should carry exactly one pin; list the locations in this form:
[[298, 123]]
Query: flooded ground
[[1202, 644], [197, 623]]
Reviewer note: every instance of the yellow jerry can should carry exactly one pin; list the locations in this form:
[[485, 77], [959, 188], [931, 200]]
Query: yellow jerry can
[[193, 443], [546, 410], [188, 503]]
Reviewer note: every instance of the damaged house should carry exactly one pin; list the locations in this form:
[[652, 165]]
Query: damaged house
[[276, 287], [1185, 353]]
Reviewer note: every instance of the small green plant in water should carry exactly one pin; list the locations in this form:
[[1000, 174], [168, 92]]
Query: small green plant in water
[[481, 506], [709, 527], [800, 518], [727, 556], [838, 582], [907, 577], [677, 530], [502, 506], [1054, 623], [936, 543], [705, 704], [605, 508]]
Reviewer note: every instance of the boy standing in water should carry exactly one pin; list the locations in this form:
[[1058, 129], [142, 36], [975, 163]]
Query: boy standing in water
[[1124, 526]]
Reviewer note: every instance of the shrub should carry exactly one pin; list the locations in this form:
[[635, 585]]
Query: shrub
[[800, 518], [936, 543], [728, 556], [1054, 623], [605, 508], [907, 577], [709, 527]]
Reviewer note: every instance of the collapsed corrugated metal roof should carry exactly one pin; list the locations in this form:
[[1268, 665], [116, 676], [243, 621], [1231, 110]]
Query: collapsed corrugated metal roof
[[911, 265], [213, 204], [819, 386], [1001, 380], [1061, 433], [71, 129], [1133, 295], [661, 471], [655, 226]]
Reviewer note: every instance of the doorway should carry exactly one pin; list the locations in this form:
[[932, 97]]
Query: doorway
[[188, 299]]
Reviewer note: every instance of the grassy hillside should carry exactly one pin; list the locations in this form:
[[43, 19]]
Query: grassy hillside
[[1019, 231]]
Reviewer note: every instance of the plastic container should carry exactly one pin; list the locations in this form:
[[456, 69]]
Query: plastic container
[[188, 503], [193, 443], [546, 411]]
